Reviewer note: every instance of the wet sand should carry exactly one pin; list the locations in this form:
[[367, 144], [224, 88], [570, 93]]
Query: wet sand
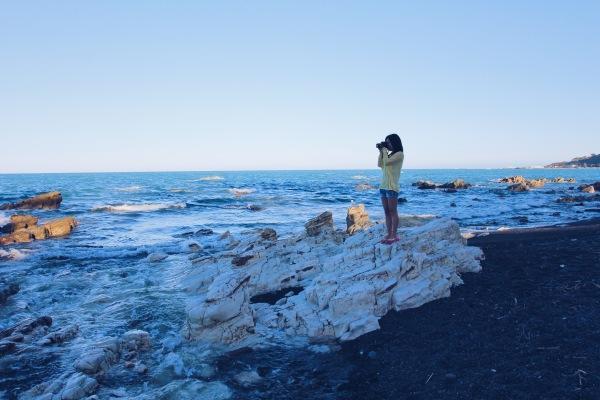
[[526, 327]]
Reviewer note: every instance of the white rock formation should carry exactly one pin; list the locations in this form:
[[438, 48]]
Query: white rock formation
[[343, 284]]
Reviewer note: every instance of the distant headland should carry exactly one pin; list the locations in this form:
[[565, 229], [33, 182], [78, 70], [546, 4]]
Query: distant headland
[[592, 161]]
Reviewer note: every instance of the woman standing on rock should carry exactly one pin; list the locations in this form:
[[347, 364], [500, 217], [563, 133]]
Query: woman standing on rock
[[391, 157]]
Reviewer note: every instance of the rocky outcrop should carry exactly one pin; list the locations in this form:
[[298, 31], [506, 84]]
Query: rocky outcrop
[[357, 219], [454, 185], [322, 222], [24, 228], [560, 179], [94, 361], [50, 200], [11, 338], [336, 286], [532, 183]]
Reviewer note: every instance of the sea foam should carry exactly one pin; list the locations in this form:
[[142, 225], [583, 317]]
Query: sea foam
[[209, 178], [241, 192], [148, 207], [134, 188]]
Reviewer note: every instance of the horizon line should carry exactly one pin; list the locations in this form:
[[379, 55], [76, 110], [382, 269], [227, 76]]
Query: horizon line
[[276, 170]]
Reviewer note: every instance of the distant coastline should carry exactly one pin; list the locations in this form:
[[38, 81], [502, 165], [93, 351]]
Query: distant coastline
[[592, 161]]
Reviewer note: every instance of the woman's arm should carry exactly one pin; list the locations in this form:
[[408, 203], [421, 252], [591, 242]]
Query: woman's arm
[[394, 159], [379, 160]]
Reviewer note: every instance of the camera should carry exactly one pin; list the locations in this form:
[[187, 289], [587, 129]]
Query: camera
[[381, 145]]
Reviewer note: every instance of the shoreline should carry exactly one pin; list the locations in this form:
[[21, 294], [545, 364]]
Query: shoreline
[[526, 326]]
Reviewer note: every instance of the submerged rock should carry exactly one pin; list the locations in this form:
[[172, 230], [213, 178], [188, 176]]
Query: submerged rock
[[60, 336], [357, 219], [579, 199], [425, 185], [50, 200], [7, 290], [518, 187], [346, 283]]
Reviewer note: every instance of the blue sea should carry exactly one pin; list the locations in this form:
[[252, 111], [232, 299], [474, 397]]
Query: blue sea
[[100, 277]]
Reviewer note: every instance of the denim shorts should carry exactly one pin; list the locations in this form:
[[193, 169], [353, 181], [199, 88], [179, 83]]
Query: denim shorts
[[388, 194]]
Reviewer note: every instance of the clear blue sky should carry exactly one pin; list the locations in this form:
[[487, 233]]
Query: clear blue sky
[[191, 85]]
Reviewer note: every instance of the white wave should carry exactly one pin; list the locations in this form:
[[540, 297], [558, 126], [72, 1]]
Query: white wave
[[134, 188], [209, 178], [11, 254], [241, 192], [4, 219], [178, 190], [149, 207], [360, 177]]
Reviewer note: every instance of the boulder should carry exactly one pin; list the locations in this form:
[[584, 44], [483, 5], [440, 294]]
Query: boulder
[[336, 286], [60, 227], [357, 219], [518, 187], [319, 224], [50, 200]]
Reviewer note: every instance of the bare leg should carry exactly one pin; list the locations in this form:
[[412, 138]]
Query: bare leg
[[388, 219], [393, 211]]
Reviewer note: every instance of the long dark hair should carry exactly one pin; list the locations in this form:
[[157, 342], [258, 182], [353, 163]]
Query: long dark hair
[[396, 143]]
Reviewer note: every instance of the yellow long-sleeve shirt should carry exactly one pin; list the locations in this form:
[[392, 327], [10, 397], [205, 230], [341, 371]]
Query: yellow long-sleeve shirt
[[391, 167]]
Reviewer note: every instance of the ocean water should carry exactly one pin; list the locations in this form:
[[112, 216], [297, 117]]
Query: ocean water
[[101, 279]]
